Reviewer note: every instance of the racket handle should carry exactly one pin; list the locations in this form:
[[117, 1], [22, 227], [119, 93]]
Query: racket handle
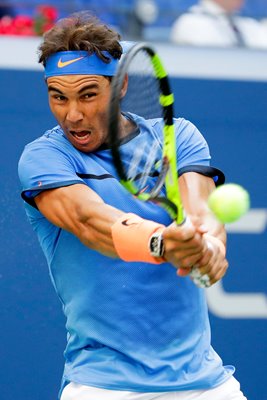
[[201, 281]]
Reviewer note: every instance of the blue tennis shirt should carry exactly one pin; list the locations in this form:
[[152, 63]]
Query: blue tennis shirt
[[131, 326]]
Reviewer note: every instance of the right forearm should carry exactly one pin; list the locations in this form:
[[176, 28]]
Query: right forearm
[[95, 230], [97, 225], [77, 209]]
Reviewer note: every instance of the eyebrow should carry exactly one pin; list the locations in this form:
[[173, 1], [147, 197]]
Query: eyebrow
[[87, 87]]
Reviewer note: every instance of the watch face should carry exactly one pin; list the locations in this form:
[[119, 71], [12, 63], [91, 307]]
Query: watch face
[[156, 245]]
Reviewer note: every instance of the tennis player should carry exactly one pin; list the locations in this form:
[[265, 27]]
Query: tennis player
[[137, 325]]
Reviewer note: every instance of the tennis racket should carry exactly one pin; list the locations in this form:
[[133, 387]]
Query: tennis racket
[[150, 173]]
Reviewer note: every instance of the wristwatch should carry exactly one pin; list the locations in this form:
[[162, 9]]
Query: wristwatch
[[156, 245]]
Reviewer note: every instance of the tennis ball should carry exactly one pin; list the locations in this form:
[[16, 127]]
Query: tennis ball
[[229, 202]]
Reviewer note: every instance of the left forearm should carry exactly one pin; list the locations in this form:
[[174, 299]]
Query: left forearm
[[195, 190]]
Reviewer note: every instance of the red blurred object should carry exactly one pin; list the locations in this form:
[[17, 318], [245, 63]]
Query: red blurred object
[[23, 25], [50, 13]]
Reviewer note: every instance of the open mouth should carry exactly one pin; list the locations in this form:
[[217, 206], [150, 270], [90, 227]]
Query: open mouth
[[81, 136]]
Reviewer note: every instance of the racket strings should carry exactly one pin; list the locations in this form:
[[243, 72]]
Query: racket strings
[[142, 165], [143, 98], [143, 94]]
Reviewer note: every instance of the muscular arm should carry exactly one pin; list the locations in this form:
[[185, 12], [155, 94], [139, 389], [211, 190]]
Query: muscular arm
[[79, 210]]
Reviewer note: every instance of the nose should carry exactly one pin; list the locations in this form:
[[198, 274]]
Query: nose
[[74, 113]]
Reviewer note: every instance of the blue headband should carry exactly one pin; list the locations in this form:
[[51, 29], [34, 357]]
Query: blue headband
[[79, 63]]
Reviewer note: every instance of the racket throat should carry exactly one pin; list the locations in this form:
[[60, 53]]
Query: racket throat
[[168, 205]]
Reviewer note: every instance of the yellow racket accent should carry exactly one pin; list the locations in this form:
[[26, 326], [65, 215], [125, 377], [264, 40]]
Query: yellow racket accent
[[132, 188], [158, 67], [169, 151], [166, 101]]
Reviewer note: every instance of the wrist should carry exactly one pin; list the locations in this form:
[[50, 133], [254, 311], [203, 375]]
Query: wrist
[[137, 239], [156, 244]]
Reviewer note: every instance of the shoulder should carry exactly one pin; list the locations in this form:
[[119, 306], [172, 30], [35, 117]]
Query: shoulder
[[52, 137], [187, 134], [50, 149], [52, 144], [182, 125], [186, 129]]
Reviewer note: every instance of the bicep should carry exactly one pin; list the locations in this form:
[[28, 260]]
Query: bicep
[[79, 210]]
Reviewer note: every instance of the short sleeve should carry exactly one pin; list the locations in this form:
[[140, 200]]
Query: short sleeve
[[42, 166], [192, 148], [193, 153]]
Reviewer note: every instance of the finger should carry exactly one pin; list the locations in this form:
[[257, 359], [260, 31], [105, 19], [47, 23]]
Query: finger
[[183, 271], [215, 269], [209, 257], [191, 260], [206, 262], [210, 268], [219, 274], [192, 246], [183, 259]]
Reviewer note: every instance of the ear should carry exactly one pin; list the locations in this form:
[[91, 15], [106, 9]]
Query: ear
[[124, 87]]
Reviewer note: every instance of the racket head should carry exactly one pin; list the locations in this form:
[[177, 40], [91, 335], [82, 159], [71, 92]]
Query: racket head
[[153, 164]]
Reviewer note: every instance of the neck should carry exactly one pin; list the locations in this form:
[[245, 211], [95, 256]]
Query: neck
[[126, 127]]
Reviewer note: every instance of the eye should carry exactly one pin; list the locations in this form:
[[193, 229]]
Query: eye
[[87, 96], [59, 97]]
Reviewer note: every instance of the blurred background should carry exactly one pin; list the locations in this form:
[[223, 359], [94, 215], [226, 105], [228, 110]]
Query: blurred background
[[221, 89], [149, 19]]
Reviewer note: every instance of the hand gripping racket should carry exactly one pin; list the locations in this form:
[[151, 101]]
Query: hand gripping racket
[[152, 166]]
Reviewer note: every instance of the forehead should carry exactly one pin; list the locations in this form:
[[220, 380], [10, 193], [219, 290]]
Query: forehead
[[75, 83]]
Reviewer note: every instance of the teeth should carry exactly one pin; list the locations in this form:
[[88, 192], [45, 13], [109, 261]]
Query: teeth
[[80, 134]]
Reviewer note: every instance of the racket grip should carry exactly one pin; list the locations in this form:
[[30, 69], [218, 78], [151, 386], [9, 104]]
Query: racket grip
[[201, 281]]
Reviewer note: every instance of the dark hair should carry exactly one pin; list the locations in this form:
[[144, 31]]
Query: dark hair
[[80, 31]]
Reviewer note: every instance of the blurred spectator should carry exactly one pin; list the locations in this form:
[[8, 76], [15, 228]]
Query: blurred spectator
[[142, 14], [42, 19], [6, 9], [216, 23]]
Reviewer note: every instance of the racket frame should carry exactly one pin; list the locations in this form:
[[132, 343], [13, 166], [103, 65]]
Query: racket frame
[[172, 203]]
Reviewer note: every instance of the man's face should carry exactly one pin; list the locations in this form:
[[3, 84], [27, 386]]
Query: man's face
[[230, 5], [80, 105]]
